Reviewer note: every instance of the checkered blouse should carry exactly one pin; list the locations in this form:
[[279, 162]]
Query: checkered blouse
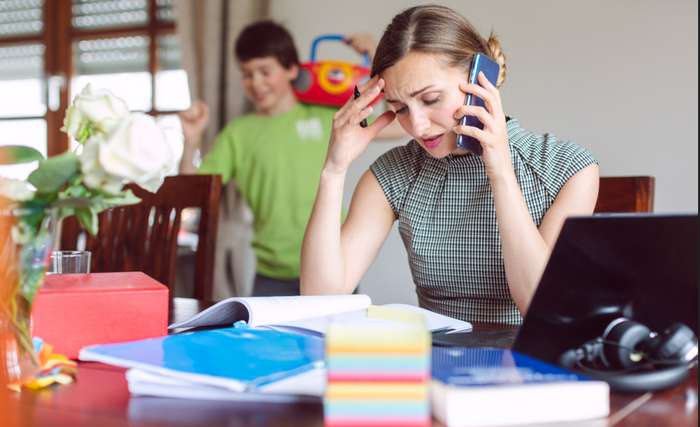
[[447, 218]]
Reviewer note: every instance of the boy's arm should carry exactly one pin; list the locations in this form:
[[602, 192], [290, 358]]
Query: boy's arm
[[194, 121]]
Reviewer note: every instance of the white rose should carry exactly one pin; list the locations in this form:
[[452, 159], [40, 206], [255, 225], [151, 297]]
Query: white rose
[[100, 108], [137, 151], [15, 189], [94, 176]]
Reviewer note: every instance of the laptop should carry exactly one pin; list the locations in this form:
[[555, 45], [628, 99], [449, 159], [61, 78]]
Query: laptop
[[640, 266]]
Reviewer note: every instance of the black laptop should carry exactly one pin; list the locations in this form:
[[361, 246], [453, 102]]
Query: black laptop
[[640, 266]]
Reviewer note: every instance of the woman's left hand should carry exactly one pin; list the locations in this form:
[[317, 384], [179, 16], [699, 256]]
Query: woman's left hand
[[494, 137], [362, 43]]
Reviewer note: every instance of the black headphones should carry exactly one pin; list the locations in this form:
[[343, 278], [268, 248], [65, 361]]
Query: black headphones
[[631, 358]]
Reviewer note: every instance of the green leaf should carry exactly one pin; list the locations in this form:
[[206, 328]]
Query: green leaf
[[14, 154], [88, 218], [124, 198], [73, 202], [54, 172]]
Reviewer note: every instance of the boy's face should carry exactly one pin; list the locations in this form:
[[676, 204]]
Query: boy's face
[[267, 83]]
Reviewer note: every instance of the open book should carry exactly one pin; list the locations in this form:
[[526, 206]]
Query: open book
[[310, 314]]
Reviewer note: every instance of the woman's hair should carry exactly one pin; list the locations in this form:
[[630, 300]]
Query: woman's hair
[[266, 38], [438, 30]]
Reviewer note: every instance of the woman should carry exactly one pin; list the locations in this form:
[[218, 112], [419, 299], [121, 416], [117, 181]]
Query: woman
[[478, 230]]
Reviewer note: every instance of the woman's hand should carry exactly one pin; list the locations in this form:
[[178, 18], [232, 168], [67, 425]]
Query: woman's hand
[[348, 138], [194, 120], [362, 43], [494, 137]]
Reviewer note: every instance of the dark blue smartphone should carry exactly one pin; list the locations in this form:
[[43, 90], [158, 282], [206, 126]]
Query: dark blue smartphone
[[490, 68]]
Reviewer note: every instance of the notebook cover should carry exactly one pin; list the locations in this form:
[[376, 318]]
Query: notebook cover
[[492, 367], [239, 359], [471, 385]]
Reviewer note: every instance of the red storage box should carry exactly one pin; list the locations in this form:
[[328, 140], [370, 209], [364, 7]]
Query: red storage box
[[74, 310]]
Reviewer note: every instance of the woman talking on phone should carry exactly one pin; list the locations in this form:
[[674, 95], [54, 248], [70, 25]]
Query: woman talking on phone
[[478, 229]]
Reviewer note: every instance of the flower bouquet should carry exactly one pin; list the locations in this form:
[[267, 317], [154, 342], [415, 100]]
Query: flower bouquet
[[115, 147]]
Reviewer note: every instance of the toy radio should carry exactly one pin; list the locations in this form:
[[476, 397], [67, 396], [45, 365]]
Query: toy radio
[[328, 82]]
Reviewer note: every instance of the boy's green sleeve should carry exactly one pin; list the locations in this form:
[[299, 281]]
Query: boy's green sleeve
[[220, 160]]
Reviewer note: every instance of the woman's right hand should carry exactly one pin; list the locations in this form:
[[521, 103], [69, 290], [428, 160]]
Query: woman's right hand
[[194, 120], [348, 138]]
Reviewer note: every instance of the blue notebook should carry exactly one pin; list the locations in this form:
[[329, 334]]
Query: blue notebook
[[239, 359], [472, 386]]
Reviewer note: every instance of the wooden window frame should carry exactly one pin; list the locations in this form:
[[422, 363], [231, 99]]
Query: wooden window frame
[[58, 36]]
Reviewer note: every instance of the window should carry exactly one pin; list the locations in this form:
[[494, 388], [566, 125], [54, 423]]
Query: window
[[50, 49]]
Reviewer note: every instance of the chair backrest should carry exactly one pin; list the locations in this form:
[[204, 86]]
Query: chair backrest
[[625, 194], [143, 237]]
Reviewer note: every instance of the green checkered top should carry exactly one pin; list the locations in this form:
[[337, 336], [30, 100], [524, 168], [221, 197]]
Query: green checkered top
[[447, 218]]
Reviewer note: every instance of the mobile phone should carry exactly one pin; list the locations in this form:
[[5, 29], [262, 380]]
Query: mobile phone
[[490, 68]]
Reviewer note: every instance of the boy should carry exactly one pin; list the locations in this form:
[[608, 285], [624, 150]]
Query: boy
[[275, 154]]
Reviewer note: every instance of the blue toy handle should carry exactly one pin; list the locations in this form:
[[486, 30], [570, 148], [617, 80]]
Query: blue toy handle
[[332, 37]]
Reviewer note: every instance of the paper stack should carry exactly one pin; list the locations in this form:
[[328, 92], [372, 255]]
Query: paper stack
[[378, 370]]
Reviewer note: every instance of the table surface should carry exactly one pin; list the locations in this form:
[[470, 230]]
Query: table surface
[[100, 397]]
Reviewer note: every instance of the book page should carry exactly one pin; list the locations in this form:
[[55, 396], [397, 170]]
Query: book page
[[261, 311], [281, 310], [435, 321], [319, 324]]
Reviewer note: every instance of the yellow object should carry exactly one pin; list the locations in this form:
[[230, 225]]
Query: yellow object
[[54, 369], [383, 390], [395, 313]]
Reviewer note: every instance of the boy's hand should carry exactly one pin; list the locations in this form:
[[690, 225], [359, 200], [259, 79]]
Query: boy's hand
[[194, 120], [362, 43]]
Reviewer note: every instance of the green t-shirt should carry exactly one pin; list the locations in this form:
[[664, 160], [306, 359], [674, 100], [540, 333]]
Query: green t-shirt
[[276, 163]]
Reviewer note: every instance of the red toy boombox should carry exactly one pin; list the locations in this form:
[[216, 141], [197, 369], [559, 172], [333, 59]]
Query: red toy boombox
[[328, 82]]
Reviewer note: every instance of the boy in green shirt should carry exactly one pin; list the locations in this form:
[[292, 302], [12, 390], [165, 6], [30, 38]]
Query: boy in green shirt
[[275, 154]]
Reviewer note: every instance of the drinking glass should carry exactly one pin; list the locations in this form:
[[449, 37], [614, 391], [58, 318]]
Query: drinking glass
[[69, 262]]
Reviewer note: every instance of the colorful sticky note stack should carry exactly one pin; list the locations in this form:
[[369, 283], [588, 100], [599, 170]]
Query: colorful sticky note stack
[[378, 370]]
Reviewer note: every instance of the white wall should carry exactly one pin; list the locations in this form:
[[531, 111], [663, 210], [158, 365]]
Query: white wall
[[619, 77]]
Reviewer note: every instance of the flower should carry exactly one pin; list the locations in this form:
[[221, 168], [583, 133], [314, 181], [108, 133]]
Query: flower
[[93, 112], [14, 189], [117, 147], [137, 151]]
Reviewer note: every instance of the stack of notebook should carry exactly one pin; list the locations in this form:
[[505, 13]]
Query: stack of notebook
[[378, 370]]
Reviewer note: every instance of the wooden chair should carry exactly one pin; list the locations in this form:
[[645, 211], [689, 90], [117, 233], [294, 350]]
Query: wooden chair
[[625, 194], [143, 237]]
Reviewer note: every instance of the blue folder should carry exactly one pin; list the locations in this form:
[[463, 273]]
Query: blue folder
[[234, 358]]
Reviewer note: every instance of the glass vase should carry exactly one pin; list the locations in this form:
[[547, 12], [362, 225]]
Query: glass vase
[[27, 238]]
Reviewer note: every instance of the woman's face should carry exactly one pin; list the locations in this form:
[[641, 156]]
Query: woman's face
[[424, 92]]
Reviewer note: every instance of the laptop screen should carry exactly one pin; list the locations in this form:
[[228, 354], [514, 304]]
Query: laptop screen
[[640, 266]]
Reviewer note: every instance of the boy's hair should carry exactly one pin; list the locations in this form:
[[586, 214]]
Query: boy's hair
[[266, 38]]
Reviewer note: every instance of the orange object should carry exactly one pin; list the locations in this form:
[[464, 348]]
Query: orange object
[[328, 83], [74, 310]]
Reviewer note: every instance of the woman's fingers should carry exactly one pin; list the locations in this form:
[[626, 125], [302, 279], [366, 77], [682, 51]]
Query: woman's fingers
[[475, 133], [369, 83], [479, 112], [381, 122], [491, 100], [354, 106]]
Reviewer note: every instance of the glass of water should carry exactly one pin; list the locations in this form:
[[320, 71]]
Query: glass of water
[[69, 262]]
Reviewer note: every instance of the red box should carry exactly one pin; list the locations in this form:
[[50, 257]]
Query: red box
[[74, 310]]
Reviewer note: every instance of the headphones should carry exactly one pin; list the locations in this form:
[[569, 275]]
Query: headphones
[[631, 358]]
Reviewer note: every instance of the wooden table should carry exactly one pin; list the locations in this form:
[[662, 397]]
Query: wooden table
[[100, 397]]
